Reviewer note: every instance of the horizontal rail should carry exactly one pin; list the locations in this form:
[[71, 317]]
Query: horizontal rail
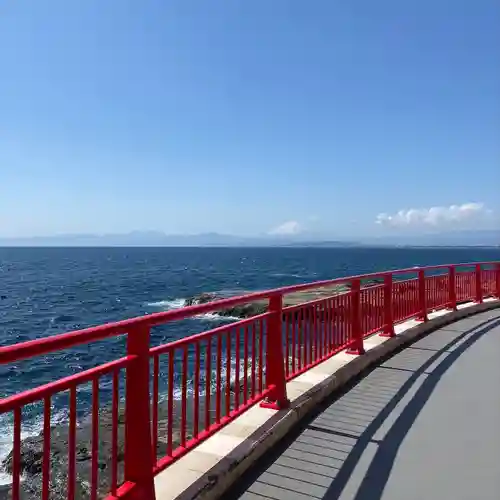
[[200, 336], [59, 342], [178, 394], [24, 398]]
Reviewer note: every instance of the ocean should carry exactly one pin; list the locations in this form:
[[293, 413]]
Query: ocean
[[45, 291]]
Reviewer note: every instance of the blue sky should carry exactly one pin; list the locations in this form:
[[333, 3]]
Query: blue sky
[[248, 117]]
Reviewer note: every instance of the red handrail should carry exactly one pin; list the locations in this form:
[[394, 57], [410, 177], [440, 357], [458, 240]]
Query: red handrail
[[214, 376]]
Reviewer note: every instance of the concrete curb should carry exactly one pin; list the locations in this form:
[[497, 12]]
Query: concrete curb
[[223, 475]]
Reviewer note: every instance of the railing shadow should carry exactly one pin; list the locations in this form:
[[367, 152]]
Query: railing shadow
[[318, 459]]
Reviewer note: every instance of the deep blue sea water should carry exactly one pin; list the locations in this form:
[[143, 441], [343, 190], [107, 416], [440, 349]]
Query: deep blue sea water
[[45, 291]]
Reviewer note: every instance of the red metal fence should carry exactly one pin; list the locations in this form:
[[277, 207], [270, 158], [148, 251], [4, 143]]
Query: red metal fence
[[212, 377]]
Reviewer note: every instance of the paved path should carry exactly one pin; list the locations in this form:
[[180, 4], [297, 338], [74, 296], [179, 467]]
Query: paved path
[[423, 425]]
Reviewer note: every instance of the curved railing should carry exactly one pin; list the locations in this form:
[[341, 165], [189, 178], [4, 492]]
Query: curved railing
[[164, 400]]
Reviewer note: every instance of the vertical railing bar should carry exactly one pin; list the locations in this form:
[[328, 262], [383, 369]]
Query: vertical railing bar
[[245, 364], [170, 401], [184, 395], [331, 312], [16, 455], [479, 285], [237, 370], [294, 339], [196, 388], [357, 334], [72, 444], [310, 325], [228, 374], [208, 382], [254, 358], [287, 344], [300, 344], [452, 288], [46, 448], [275, 366], [218, 380], [261, 355], [95, 439], [154, 430], [114, 436]]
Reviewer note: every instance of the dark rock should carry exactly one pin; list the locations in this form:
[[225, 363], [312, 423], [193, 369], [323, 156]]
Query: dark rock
[[31, 456], [6, 492], [373, 282], [245, 310], [240, 311], [202, 298]]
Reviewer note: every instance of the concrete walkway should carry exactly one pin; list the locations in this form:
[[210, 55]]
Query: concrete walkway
[[422, 425]]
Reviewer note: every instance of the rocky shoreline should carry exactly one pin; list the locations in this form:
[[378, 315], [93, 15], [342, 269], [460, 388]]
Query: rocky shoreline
[[32, 447], [260, 307]]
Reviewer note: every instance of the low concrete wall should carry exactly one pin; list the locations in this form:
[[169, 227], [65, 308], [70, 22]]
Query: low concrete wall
[[224, 474]]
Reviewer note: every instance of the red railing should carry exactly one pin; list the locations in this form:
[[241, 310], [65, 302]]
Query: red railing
[[232, 378], [212, 377]]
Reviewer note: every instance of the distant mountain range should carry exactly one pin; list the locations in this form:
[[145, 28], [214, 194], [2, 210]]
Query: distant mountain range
[[154, 238]]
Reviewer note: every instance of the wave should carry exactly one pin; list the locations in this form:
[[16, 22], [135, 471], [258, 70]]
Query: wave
[[293, 275], [226, 293], [169, 305], [217, 317], [177, 391]]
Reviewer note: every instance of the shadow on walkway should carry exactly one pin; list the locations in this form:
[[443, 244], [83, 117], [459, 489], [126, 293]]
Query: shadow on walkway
[[318, 459]]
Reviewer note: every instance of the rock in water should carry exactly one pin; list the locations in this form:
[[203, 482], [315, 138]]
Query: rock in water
[[261, 306], [202, 298], [241, 311]]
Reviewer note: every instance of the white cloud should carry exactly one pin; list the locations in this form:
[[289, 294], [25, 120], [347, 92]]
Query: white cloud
[[466, 213], [287, 228]]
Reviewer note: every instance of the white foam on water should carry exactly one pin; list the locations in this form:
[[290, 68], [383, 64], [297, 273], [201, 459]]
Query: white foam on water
[[293, 275], [169, 305], [217, 317], [177, 392], [28, 429]]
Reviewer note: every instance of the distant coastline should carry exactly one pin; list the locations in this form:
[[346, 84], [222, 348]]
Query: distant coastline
[[256, 246], [456, 239]]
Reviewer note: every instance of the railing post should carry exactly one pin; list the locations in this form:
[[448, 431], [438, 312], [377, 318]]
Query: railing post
[[275, 358], [452, 288], [388, 316], [138, 447], [357, 334], [497, 280], [479, 285], [422, 296]]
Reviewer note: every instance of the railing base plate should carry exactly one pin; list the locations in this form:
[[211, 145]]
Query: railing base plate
[[388, 335], [275, 405], [355, 352]]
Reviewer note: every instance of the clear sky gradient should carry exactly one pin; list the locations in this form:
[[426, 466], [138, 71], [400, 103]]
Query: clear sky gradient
[[248, 117]]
